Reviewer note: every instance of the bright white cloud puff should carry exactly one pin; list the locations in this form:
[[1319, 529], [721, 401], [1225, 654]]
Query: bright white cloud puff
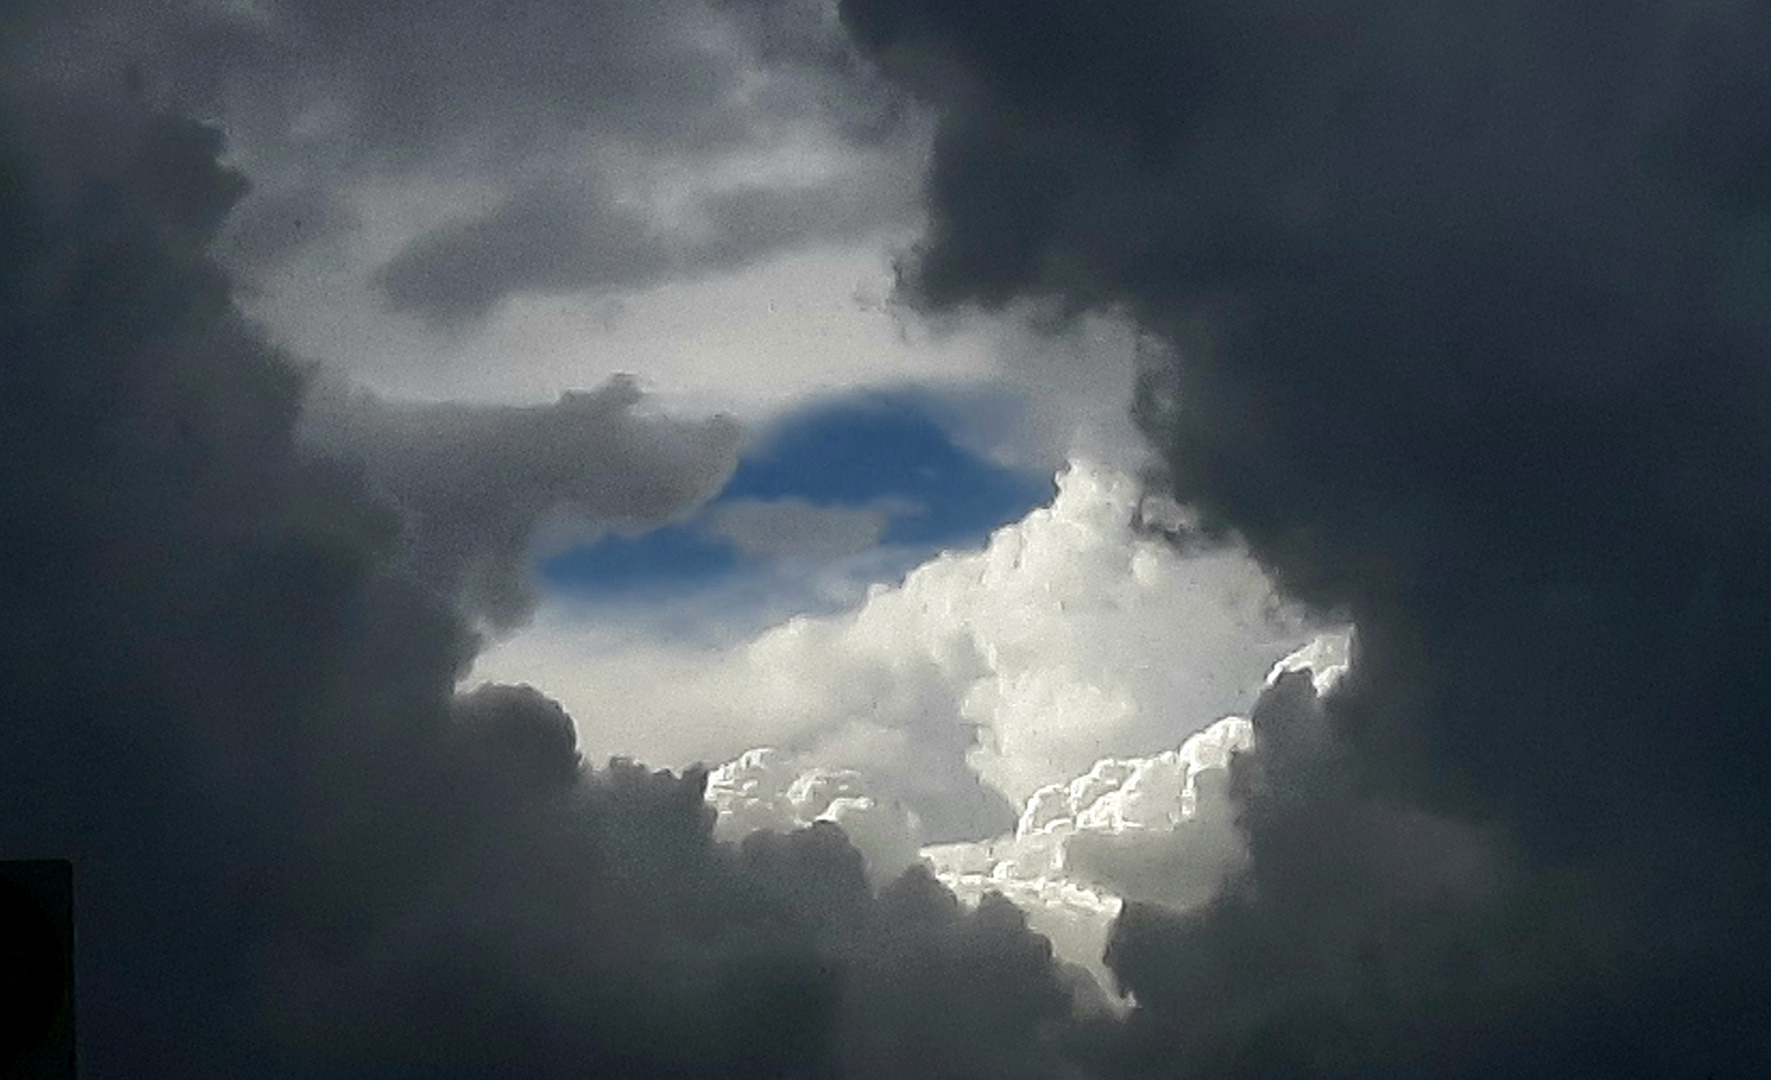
[[1156, 828], [1069, 637]]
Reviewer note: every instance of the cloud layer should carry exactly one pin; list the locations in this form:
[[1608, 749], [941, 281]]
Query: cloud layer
[[1069, 635], [1458, 318], [480, 486], [231, 703], [1155, 830], [1457, 321], [452, 202], [320, 97]]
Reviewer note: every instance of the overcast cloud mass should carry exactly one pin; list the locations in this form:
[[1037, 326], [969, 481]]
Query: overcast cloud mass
[[1453, 315], [232, 704], [1467, 312]]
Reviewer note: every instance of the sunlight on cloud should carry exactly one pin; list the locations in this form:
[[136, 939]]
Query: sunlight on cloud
[[1069, 637], [1157, 829], [1135, 808], [1034, 718], [761, 789]]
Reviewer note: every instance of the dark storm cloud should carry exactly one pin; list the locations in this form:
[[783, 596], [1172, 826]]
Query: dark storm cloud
[[545, 240], [540, 240], [399, 82], [273, 226], [1363, 936], [475, 483], [322, 99], [1466, 314], [1368, 937], [297, 851]]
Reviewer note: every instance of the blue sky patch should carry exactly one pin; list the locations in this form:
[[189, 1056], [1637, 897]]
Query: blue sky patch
[[867, 450]]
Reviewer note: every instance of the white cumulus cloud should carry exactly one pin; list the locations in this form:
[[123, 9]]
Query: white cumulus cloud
[[1159, 828], [762, 789], [1068, 638]]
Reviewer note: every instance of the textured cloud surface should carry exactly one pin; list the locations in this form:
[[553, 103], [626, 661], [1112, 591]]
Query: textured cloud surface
[[298, 851], [1455, 317], [477, 484], [604, 173], [1158, 829], [760, 789], [1465, 309], [449, 200], [1069, 635]]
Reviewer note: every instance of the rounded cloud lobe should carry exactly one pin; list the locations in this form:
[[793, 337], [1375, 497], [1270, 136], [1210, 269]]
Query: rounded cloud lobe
[[762, 789], [1458, 319], [1156, 830], [480, 486], [1462, 311], [232, 706], [605, 176], [1070, 634]]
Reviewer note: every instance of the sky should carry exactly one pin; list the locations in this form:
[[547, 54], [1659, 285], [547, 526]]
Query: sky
[[861, 538]]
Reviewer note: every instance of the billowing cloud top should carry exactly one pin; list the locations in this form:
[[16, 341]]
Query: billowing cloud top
[[1459, 319], [1157, 830], [1069, 633], [1456, 318], [231, 703], [478, 484], [761, 789]]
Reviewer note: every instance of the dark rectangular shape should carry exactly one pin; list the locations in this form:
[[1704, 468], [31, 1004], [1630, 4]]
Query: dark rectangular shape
[[36, 969]]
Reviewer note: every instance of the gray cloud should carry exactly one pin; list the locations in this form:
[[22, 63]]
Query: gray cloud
[[398, 83], [796, 529], [539, 241], [1466, 312], [545, 240], [273, 225], [1366, 934], [230, 702], [1462, 314], [476, 484], [323, 100]]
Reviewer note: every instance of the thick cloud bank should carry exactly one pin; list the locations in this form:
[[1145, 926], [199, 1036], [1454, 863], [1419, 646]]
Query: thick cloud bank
[[1157, 829], [499, 202], [1459, 321], [1462, 322], [608, 146], [477, 484], [231, 702]]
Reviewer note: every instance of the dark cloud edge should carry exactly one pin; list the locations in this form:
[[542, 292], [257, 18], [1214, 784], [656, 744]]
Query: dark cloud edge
[[297, 848], [1462, 317]]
